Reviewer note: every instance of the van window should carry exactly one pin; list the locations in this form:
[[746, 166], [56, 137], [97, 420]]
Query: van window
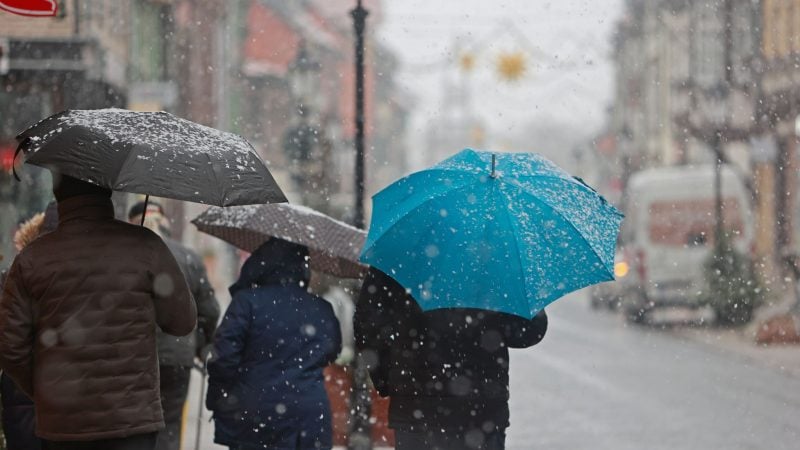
[[691, 222]]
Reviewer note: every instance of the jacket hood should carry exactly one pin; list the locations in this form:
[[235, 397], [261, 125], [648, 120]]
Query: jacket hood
[[28, 231], [275, 262], [36, 226]]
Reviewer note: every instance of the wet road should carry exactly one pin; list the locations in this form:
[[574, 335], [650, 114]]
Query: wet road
[[596, 383]]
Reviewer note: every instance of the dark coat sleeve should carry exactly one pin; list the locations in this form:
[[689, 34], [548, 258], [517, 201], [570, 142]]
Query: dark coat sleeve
[[229, 341], [334, 337], [16, 329], [207, 305], [519, 332], [374, 323], [176, 313]]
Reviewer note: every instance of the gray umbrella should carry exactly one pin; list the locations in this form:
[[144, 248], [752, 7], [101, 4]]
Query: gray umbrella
[[334, 246], [152, 153]]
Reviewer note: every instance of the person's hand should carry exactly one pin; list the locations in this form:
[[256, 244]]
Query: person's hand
[[203, 353]]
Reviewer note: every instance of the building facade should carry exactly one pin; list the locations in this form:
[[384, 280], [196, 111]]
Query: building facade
[[779, 110], [295, 99], [76, 59], [688, 77]]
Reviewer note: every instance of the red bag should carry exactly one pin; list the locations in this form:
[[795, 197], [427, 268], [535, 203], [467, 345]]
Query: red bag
[[780, 329]]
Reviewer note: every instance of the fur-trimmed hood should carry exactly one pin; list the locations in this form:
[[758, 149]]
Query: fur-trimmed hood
[[36, 226], [28, 231]]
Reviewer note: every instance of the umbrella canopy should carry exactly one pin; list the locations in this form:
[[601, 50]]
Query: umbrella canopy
[[334, 246], [511, 238], [152, 153]]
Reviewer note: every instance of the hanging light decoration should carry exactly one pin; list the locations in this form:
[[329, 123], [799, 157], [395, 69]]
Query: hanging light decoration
[[467, 62], [477, 135], [511, 66]]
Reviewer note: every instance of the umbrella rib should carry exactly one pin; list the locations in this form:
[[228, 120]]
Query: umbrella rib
[[216, 180], [589, 189], [465, 181], [123, 165], [414, 208], [513, 224], [572, 225]]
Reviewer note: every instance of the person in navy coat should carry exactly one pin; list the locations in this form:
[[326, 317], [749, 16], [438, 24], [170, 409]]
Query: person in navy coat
[[266, 386]]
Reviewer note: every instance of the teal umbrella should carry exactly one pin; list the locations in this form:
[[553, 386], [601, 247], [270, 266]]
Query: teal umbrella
[[508, 232]]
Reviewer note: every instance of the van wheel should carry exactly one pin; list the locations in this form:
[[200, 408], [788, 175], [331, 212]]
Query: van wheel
[[636, 315]]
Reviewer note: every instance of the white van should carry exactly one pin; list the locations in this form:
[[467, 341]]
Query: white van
[[668, 234]]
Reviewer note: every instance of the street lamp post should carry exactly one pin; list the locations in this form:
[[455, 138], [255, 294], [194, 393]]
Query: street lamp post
[[359, 24], [359, 430], [716, 103], [718, 225]]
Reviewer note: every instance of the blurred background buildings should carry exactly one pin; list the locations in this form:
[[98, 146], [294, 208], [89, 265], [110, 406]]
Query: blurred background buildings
[[692, 77], [279, 73]]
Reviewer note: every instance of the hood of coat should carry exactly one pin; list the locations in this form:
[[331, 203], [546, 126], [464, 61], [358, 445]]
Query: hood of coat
[[36, 226], [28, 231], [275, 262]]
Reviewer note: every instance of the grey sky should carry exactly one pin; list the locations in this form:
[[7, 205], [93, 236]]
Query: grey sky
[[567, 43]]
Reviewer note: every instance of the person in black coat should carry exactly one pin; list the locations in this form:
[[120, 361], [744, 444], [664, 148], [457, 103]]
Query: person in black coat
[[176, 355], [266, 386], [445, 371]]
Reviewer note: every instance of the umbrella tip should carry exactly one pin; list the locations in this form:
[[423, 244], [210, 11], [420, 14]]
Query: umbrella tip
[[494, 173]]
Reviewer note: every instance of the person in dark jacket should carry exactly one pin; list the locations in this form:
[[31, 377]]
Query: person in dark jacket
[[445, 371], [176, 354], [266, 386], [77, 324], [19, 416]]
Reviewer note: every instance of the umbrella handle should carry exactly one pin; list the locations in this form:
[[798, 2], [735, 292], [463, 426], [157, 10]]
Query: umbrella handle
[[144, 212], [14, 163]]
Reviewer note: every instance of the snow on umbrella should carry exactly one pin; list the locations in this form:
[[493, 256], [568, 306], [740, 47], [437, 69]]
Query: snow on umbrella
[[152, 153], [512, 237], [334, 246]]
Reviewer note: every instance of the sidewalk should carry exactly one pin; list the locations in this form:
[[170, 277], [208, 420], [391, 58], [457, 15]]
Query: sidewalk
[[784, 358], [206, 441]]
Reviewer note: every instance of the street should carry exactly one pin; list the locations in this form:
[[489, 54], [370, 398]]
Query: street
[[598, 383], [595, 382]]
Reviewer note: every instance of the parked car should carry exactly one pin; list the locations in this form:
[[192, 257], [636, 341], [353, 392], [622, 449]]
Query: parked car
[[668, 234]]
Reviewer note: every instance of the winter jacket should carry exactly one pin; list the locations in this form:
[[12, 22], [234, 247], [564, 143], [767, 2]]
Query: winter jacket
[[19, 414], [77, 319], [180, 351], [266, 386], [443, 369]]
